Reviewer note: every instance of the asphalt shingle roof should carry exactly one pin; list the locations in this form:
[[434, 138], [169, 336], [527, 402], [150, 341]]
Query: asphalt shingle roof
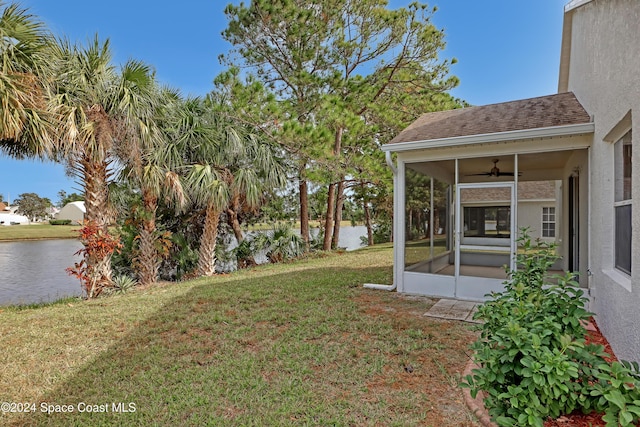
[[541, 112]]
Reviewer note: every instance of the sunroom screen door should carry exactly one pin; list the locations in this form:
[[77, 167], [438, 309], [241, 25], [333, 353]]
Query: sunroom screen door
[[485, 237]]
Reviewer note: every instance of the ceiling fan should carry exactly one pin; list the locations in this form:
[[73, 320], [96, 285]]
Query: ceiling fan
[[494, 171]]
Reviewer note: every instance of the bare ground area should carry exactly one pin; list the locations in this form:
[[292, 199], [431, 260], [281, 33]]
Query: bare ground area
[[433, 371]]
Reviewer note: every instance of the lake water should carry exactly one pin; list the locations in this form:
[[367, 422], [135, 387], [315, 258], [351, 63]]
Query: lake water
[[34, 271], [349, 240], [349, 236]]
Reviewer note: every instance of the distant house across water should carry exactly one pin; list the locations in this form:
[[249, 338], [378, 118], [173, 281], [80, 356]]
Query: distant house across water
[[74, 211], [9, 217]]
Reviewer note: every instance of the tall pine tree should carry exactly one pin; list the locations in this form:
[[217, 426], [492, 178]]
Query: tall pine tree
[[330, 62]]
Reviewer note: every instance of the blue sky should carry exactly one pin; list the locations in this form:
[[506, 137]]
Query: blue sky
[[506, 50]]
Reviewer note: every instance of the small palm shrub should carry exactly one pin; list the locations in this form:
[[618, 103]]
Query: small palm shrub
[[245, 253], [121, 285], [533, 360], [280, 244]]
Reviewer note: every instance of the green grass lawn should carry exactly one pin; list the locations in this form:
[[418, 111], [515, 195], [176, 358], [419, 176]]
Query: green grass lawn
[[292, 344], [38, 231]]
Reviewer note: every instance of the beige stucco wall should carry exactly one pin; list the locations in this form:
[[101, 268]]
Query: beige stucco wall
[[71, 211], [530, 215], [577, 165], [604, 75]]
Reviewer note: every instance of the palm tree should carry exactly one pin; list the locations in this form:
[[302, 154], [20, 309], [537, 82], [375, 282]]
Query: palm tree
[[25, 118], [152, 161], [229, 167], [256, 171], [209, 186], [101, 109], [190, 137]]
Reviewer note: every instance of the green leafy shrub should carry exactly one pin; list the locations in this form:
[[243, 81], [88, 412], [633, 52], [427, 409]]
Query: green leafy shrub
[[532, 356], [59, 221], [619, 391]]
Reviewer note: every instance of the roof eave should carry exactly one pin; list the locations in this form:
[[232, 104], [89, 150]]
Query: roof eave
[[513, 135], [574, 4]]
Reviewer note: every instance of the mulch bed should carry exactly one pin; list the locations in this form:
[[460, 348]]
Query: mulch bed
[[579, 419]]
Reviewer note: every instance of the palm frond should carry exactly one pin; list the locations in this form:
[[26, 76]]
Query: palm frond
[[176, 192], [246, 182], [23, 38], [207, 186], [25, 122]]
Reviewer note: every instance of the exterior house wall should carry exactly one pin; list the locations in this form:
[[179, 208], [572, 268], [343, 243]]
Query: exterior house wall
[[12, 218], [577, 166], [603, 74], [530, 215], [74, 211]]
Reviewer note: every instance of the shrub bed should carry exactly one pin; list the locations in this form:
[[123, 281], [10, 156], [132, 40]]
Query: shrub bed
[[534, 361]]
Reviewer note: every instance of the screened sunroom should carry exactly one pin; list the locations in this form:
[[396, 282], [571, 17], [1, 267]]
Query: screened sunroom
[[463, 193]]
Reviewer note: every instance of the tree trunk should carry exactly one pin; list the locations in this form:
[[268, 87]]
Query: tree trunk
[[338, 218], [410, 232], [96, 194], [304, 212], [232, 217], [331, 202], [207, 252], [367, 222], [148, 259], [328, 220], [98, 268], [99, 274]]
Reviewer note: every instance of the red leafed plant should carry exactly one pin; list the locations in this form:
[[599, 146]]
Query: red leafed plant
[[98, 248]]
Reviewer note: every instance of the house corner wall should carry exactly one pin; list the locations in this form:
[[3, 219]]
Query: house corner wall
[[603, 74]]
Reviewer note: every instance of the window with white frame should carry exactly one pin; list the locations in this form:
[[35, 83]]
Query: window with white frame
[[622, 204], [548, 222]]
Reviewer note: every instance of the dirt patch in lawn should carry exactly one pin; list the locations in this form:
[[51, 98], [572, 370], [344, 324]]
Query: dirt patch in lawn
[[433, 369]]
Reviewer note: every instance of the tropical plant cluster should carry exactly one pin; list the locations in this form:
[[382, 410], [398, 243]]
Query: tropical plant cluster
[[294, 136], [98, 247], [534, 362]]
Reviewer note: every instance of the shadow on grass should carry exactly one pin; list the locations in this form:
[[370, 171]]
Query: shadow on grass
[[270, 350]]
